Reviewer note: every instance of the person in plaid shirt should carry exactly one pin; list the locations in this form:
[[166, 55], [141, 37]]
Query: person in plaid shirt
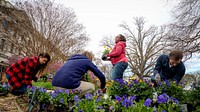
[[21, 73]]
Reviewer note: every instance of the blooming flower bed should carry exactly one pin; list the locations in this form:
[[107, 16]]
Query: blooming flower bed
[[123, 96], [68, 101]]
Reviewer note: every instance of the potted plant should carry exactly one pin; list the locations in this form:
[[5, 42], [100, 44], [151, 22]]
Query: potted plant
[[4, 89]]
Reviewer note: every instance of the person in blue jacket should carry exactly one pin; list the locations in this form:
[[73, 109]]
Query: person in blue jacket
[[69, 76], [169, 67]]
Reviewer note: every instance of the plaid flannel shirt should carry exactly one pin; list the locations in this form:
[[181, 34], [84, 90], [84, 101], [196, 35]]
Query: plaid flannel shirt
[[22, 72]]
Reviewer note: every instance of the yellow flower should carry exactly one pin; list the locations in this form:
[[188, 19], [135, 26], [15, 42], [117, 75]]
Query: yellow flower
[[132, 78], [116, 101], [152, 84], [140, 80], [106, 50], [107, 85]]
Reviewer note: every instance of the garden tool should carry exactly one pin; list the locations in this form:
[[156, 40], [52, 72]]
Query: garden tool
[[33, 100]]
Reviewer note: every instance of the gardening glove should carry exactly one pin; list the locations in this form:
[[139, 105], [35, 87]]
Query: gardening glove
[[104, 57], [104, 90], [157, 78]]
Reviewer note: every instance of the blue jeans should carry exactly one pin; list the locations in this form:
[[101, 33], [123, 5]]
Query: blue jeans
[[118, 70], [20, 90]]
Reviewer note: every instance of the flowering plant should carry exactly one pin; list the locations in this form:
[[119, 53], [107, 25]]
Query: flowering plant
[[106, 50], [117, 87], [128, 104], [4, 89], [167, 103], [63, 99], [93, 103], [172, 88], [43, 96], [87, 104], [136, 87], [141, 88]]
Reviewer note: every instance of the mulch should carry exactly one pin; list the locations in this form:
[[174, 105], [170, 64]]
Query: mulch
[[11, 103]]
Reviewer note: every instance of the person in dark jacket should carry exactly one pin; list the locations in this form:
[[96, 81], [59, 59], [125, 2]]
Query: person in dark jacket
[[169, 67], [21, 73], [70, 75]]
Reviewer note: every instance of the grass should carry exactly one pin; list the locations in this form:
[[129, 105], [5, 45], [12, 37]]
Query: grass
[[46, 85]]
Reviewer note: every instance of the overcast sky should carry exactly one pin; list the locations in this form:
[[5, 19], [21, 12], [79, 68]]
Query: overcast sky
[[102, 17]]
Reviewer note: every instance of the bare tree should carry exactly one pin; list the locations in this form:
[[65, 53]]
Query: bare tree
[[184, 32], [104, 67], [19, 32], [143, 46], [57, 25], [108, 41]]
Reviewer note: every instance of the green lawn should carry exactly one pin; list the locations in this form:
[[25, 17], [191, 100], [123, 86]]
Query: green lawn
[[46, 85]]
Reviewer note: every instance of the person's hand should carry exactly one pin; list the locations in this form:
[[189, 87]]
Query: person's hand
[[35, 79], [157, 78], [104, 90], [104, 57]]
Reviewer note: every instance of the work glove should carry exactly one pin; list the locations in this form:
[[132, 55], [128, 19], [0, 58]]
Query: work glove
[[157, 78]]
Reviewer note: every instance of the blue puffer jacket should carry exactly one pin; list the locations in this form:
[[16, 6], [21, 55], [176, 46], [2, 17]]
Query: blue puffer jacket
[[166, 72], [71, 73]]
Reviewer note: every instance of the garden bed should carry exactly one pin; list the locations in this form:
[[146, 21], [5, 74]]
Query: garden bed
[[123, 96]]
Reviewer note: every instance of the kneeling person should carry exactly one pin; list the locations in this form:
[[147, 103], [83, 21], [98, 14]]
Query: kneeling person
[[69, 76]]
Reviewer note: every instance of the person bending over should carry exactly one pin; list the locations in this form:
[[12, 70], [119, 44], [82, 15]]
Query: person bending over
[[70, 75], [169, 67], [21, 73]]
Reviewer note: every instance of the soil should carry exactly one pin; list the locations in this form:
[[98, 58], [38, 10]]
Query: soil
[[11, 103]]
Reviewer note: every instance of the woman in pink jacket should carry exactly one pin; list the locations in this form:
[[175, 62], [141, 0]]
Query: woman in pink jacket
[[118, 58]]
